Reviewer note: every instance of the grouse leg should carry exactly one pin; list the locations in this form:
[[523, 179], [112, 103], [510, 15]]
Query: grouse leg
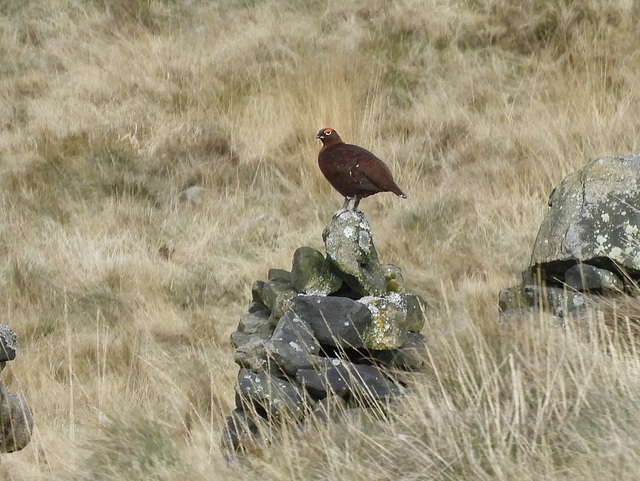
[[355, 204], [344, 208]]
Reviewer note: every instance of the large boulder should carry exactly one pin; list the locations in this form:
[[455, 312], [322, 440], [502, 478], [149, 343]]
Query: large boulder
[[588, 244], [594, 217], [264, 392]]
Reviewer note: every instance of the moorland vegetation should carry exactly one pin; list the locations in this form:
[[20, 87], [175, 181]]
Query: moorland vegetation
[[124, 298]]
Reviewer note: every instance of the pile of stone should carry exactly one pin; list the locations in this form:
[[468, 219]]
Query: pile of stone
[[324, 337], [588, 245], [16, 420]]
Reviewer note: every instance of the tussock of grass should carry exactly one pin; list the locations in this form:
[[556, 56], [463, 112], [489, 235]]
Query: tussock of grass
[[124, 297]]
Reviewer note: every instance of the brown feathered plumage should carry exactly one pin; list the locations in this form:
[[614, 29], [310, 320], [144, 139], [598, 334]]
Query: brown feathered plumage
[[353, 171]]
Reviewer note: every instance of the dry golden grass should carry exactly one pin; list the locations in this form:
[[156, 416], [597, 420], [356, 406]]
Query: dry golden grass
[[124, 301]]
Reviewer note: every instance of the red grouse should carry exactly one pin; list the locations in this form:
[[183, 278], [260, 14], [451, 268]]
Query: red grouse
[[353, 171]]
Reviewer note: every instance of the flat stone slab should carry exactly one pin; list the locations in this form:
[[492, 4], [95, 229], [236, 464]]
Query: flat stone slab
[[335, 321], [265, 392], [360, 382]]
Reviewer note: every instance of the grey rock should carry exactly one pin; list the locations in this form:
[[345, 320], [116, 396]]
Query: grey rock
[[512, 298], [322, 383], [255, 323], [239, 338], [411, 356], [594, 217], [361, 383], [272, 289], [277, 398], [555, 300], [279, 275], [311, 273], [16, 421], [389, 327], [256, 291], [277, 296], [335, 321], [393, 278], [293, 345], [241, 432], [251, 352], [585, 277], [8, 343], [349, 244], [519, 314], [247, 432], [514, 301], [516, 317], [256, 307], [292, 329], [192, 195]]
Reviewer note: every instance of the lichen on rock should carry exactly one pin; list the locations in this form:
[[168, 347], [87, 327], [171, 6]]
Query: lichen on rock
[[312, 274], [349, 243], [593, 217], [588, 245], [388, 328]]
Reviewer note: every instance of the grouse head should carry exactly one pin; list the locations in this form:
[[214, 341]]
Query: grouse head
[[328, 136]]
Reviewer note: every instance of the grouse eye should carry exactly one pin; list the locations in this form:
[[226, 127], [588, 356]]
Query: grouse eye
[[327, 132]]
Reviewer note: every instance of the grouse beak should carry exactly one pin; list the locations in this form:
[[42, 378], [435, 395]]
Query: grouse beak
[[320, 136]]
